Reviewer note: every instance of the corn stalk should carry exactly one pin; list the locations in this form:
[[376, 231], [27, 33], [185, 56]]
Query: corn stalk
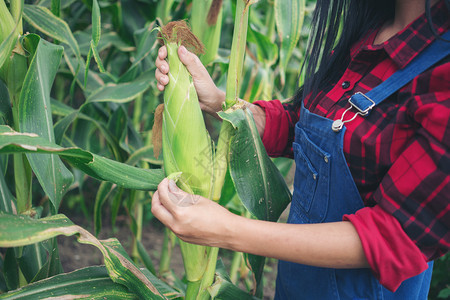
[[206, 25]]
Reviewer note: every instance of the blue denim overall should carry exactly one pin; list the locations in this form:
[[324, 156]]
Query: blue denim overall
[[324, 191]]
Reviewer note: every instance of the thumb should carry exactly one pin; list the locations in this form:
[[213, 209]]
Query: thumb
[[178, 196], [192, 63]]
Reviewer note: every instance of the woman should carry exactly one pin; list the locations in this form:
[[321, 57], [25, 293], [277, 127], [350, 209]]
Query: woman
[[370, 208]]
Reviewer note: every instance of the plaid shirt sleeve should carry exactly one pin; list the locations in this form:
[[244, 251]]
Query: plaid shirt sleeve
[[279, 130]]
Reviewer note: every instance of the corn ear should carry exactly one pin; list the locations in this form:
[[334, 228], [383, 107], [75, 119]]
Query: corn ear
[[186, 144]]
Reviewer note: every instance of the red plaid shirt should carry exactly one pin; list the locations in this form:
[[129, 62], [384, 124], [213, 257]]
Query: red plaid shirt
[[398, 155]]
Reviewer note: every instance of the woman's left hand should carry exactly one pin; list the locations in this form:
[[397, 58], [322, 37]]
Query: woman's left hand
[[192, 218]]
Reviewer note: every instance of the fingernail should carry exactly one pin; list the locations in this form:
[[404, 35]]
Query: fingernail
[[183, 50], [172, 186]]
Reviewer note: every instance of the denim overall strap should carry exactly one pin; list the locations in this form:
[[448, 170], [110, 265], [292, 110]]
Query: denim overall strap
[[324, 190], [431, 55]]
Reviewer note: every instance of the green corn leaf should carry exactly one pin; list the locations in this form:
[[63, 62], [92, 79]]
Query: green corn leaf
[[144, 154], [145, 257], [115, 205], [52, 264], [94, 165], [61, 109], [96, 23], [118, 253], [10, 269], [258, 182], [5, 105], [96, 33], [97, 58], [117, 125], [224, 289], [266, 50], [112, 39], [77, 68], [8, 35], [253, 81], [86, 283], [6, 47], [7, 201], [32, 260], [21, 230], [103, 193], [145, 40], [88, 62], [42, 19], [35, 117], [56, 7], [163, 10], [3, 287], [283, 164], [18, 230], [289, 17], [15, 75], [123, 92], [256, 265], [62, 125], [70, 115], [123, 270]]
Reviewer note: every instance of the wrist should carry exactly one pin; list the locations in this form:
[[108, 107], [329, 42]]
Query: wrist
[[216, 104], [259, 115], [229, 235]]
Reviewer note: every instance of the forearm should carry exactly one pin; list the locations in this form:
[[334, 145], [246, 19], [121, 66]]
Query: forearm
[[333, 245]]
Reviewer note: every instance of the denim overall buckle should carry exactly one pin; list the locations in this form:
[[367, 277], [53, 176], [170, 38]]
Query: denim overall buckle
[[361, 103]]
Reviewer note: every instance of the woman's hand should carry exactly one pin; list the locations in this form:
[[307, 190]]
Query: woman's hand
[[209, 95], [192, 218]]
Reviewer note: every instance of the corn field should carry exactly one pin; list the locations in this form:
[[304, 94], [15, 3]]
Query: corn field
[[82, 128]]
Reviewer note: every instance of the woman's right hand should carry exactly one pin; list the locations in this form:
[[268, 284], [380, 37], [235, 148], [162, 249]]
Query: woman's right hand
[[209, 95]]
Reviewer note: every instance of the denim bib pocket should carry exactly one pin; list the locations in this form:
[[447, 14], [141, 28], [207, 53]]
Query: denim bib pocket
[[311, 183]]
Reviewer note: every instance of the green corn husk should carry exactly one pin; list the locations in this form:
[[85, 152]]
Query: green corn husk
[[187, 147]]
